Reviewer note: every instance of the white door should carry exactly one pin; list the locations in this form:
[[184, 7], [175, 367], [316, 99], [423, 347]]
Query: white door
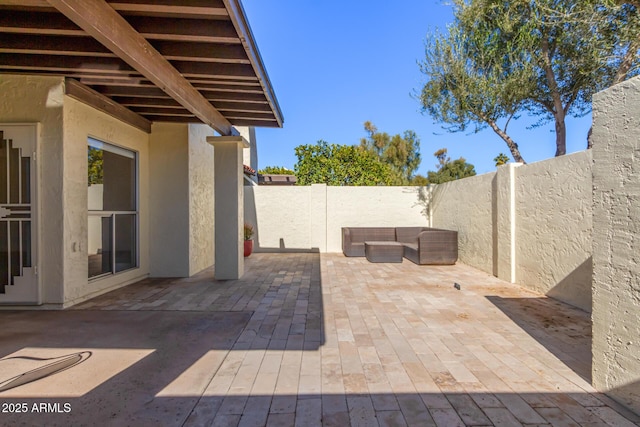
[[18, 227]]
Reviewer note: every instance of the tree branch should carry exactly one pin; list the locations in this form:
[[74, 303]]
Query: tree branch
[[513, 147], [627, 61]]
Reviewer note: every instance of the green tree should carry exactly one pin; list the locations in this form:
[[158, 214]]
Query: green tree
[[466, 89], [94, 158], [339, 165], [546, 57], [623, 32], [276, 170], [401, 152], [449, 170], [419, 180], [501, 159]]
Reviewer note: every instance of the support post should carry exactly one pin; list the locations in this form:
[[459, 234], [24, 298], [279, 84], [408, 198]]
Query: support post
[[229, 206]]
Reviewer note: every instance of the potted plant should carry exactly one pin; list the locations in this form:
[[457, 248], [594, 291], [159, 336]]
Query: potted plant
[[248, 243]]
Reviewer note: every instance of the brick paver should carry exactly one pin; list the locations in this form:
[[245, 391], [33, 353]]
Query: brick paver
[[337, 341]]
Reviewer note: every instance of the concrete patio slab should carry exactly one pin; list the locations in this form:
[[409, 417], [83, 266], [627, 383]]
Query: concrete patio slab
[[313, 339], [136, 367]]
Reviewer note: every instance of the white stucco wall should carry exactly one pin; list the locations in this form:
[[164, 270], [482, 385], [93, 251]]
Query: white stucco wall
[[467, 206], [616, 242], [553, 228], [65, 125], [28, 99], [80, 122], [175, 189], [549, 205], [201, 203], [311, 217], [169, 200], [182, 205], [371, 207], [279, 214]]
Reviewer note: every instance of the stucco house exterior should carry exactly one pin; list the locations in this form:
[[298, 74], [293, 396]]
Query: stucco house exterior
[[123, 131]]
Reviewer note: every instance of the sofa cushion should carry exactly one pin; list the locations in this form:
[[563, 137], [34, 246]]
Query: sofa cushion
[[378, 234], [409, 234]]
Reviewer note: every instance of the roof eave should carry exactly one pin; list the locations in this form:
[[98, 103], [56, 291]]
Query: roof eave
[[241, 24]]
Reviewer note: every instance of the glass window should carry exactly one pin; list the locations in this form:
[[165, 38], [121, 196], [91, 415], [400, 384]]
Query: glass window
[[112, 206]]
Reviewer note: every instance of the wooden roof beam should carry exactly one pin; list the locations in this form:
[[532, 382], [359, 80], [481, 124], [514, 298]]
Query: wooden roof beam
[[181, 11], [212, 70], [88, 96], [140, 82], [24, 22], [151, 8], [95, 64], [87, 46], [178, 29], [153, 92], [170, 103], [52, 45], [26, 3], [151, 28], [265, 124], [106, 25]]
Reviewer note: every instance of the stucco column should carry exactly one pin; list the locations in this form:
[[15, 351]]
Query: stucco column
[[506, 221], [229, 205]]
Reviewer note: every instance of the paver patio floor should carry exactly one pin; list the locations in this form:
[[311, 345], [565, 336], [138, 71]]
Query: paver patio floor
[[311, 339]]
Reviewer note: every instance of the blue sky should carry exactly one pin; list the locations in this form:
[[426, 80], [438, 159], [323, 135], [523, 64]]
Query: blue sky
[[336, 64]]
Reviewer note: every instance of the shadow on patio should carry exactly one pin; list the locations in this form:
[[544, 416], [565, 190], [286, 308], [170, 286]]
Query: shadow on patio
[[303, 339], [563, 330]]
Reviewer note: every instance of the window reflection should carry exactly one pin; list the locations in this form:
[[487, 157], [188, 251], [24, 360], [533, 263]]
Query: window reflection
[[100, 232]]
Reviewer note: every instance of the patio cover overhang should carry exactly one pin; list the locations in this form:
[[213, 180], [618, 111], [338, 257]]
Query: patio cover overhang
[[142, 61]]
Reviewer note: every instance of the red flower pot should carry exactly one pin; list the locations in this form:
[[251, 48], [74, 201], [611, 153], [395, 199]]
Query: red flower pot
[[248, 247]]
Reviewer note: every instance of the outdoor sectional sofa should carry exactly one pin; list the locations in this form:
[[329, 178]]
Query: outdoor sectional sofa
[[421, 245]]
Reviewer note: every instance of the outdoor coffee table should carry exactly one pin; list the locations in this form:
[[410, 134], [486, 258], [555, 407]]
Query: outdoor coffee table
[[383, 251]]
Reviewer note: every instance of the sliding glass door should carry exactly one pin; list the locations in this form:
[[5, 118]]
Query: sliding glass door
[[113, 209]]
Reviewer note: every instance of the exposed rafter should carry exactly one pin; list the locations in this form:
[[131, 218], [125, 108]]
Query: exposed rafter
[[238, 18], [102, 22], [180, 10], [87, 46], [202, 40]]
